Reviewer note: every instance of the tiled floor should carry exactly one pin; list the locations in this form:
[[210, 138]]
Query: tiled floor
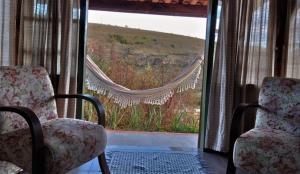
[[130, 140]]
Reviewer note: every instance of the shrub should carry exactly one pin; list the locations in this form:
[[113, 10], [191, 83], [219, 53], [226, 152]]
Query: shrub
[[118, 38]]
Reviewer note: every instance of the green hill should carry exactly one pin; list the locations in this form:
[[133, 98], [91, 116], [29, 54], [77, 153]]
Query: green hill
[[141, 47]]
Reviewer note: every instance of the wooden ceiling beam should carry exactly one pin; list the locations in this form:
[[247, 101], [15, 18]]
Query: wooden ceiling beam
[[147, 7]]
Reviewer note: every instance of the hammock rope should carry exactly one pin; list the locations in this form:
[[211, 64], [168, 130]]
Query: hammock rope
[[98, 81]]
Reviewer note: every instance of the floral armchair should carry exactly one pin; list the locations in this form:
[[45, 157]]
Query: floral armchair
[[31, 134], [273, 145]]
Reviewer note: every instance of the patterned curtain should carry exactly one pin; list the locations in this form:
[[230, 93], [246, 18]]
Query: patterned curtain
[[245, 54], [43, 33]]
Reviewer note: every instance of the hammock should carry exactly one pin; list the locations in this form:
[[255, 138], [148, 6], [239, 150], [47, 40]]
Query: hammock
[[99, 82]]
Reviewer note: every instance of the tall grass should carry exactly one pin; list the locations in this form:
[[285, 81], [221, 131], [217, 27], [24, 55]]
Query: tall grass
[[182, 122], [144, 117], [134, 120]]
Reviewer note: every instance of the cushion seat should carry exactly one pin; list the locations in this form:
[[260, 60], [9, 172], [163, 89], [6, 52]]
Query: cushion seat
[[69, 143], [268, 151]]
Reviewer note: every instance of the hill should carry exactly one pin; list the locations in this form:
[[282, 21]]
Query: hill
[[141, 47]]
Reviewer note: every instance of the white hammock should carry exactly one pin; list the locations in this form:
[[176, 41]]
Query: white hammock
[[98, 81]]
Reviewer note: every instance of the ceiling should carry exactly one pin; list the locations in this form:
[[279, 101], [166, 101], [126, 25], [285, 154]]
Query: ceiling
[[191, 8], [186, 2]]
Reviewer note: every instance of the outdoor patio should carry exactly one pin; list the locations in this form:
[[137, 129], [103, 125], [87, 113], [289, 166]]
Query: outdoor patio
[[154, 141]]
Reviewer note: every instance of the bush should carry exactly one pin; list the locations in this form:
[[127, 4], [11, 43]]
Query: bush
[[118, 38]]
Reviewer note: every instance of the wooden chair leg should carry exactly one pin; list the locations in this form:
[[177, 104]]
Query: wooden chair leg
[[103, 164]]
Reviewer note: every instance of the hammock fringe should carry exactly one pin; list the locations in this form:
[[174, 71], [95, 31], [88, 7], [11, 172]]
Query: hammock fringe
[[97, 81]]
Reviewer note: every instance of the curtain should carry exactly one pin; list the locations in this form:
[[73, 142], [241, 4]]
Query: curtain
[[43, 33], [7, 30], [245, 54], [293, 42]]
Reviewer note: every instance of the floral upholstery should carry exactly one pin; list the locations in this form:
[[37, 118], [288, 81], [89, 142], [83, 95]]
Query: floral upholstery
[[27, 87], [268, 151], [9, 168], [281, 96], [273, 146], [69, 143]]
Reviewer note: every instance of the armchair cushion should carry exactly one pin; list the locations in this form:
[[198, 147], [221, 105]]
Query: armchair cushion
[[28, 87], [281, 97], [69, 143], [267, 151]]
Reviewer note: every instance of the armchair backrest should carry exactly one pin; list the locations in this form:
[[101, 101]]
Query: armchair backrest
[[28, 87], [280, 96]]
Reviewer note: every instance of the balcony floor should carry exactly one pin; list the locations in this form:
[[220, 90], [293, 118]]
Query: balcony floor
[[154, 141]]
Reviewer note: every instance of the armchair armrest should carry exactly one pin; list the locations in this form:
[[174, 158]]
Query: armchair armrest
[[234, 131], [36, 134], [96, 103]]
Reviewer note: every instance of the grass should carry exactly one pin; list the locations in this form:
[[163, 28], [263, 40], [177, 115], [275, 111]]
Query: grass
[[134, 121], [153, 118], [179, 123], [118, 38]]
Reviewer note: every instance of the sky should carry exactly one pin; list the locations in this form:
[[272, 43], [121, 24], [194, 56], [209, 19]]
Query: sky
[[187, 26]]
